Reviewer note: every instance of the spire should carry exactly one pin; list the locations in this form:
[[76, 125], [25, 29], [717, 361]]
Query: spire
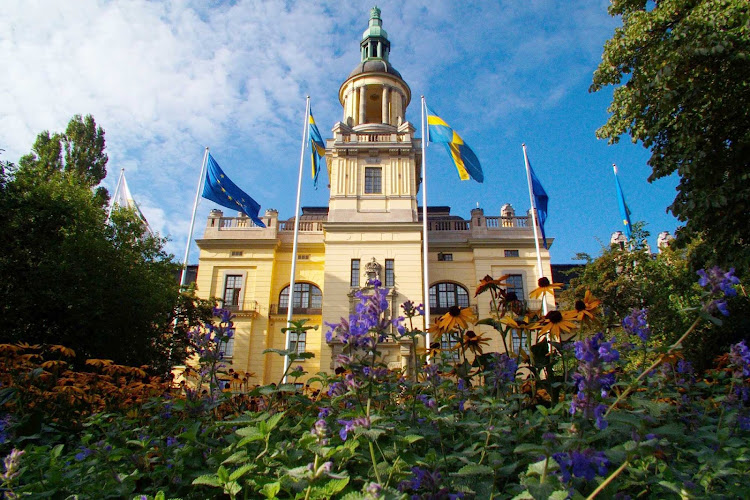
[[375, 44]]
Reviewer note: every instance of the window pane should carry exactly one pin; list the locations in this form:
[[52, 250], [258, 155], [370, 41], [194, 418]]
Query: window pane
[[390, 278], [373, 183], [306, 295], [232, 288], [445, 295], [515, 284], [355, 273]]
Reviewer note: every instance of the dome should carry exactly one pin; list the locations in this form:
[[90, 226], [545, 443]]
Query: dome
[[375, 66]]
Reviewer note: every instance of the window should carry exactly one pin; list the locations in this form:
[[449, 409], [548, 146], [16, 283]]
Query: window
[[390, 277], [303, 257], [446, 295], [236, 253], [449, 342], [297, 342], [519, 340], [445, 257], [373, 180], [232, 289], [515, 284], [307, 299], [354, 280], [227, 348], [511, 253]]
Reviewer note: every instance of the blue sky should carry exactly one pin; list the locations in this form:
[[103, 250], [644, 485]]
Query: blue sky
[[166, 79]]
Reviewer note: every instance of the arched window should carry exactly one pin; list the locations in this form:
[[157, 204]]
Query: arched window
[[308, 299], [445, 295]]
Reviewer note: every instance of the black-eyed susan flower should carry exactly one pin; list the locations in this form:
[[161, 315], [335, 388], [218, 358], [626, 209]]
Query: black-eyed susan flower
[[474, 342], [587, 307], [455, 318], [544, 286], [558, 322], [489, 283]]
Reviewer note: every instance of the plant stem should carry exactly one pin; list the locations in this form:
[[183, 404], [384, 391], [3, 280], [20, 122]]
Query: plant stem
[[609, 479], [656, 363]]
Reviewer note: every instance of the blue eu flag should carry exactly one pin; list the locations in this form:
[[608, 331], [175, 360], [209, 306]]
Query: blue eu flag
[[220, 189], [541, 201]]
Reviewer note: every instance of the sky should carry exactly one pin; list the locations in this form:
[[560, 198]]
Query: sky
[[166, 79]]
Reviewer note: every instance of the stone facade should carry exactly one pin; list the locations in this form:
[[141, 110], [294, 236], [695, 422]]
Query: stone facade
[[372, 224]]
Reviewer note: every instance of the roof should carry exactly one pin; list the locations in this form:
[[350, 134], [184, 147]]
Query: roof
[[375, 66]]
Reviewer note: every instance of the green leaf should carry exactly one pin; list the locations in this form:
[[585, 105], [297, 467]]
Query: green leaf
[[208, 480], [232, 488], [329, 489], [270, 490], [473, 470], [529, 448], [241, 472], [235, 457], [56, 451], [411, 438]]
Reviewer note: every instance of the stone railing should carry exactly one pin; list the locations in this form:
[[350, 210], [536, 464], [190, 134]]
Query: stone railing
[[315, 226], [371, 138], [236, 223], [501, 222], [448, 225]]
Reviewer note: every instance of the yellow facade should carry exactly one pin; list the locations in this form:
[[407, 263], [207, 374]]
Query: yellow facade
[[373, 218]]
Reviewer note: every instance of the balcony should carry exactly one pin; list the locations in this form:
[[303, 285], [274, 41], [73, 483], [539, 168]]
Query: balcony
[[275, 310], [250, 309]]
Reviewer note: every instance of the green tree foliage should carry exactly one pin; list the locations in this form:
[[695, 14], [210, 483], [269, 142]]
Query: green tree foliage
[[106, 290], [682, 71], [666, 285]]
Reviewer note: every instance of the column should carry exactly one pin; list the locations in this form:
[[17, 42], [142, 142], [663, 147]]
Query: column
[[362, 102], [398, 103], [385, 104]]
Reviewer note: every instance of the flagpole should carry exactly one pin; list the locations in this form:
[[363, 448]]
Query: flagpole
[[424, 233], [117, 190], [296, 234], [183, 276], [533, 220]]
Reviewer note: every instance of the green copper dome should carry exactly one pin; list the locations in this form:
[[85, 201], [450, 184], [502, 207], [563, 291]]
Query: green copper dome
[[375, 30]]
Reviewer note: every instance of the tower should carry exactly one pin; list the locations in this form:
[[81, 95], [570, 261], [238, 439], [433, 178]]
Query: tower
[[373, 159]]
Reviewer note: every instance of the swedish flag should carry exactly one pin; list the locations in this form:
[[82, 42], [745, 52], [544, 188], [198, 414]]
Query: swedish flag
[[466, 161], [317, 147], [220, 189]]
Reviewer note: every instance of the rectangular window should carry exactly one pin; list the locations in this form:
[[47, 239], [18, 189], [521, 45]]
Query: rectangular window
[[449, 345], [355, 273], [297, 342], [515, 284], [519, 340], [227, 348], [511, 253], [236, 253], [303, 257], [390, 277], [445, 257], [373, 180], [232, 289]]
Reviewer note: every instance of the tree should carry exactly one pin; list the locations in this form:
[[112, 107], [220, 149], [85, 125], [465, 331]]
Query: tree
[[665, 285], [105, 290], [682, 71]]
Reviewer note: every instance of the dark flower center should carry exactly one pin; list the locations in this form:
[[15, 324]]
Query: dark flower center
[[580, 305], [470, 334], [511, 297], [543, 282], [454, 311], [554, 316], [487, 278]]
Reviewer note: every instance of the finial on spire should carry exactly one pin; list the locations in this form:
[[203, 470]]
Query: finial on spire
[[375, 13]]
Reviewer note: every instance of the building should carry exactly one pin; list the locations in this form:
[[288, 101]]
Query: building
[[372, 227]]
